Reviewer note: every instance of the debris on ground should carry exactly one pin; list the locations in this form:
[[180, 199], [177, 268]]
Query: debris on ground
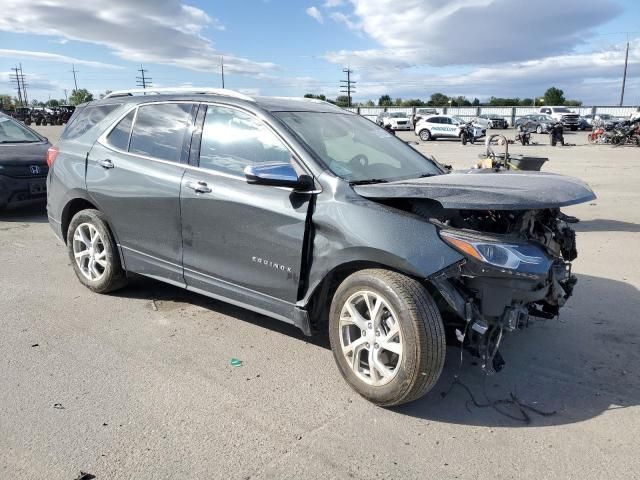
[[85, 476], [235, 362], [35, 345], [58, 406], [154, 306]]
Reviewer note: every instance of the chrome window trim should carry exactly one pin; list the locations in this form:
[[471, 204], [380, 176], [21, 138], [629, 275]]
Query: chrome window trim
[[102, 140]]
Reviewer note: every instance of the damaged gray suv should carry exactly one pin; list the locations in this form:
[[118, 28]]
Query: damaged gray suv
[[315, 216]]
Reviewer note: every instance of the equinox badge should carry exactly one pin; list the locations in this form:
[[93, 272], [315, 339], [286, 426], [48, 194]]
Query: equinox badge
[[269, 263]]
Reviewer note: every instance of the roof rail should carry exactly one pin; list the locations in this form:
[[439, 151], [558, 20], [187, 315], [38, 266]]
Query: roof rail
[[183, 90]]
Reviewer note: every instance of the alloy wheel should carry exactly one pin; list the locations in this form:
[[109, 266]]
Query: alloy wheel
[[89, 251], [370, 338]]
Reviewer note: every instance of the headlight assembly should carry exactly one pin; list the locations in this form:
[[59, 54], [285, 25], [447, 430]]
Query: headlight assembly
[[517, 257]]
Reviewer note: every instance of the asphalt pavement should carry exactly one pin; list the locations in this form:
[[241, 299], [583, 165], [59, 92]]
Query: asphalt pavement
[[139, 384]]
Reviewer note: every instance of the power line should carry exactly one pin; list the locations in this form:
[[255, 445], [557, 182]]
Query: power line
[[347, 85], [74, 71], [143, 80]]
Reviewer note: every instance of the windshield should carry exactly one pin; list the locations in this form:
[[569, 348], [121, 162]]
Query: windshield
[[12, 132], [605, 116], [562, 110], [457, 120], [545, 118], [398, 115], [356, 149]]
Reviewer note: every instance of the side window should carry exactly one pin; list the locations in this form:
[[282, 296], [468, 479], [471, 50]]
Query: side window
[[447, 120], [160, 130], [434, 120], [231, 140], [88, 117], [119, 136]]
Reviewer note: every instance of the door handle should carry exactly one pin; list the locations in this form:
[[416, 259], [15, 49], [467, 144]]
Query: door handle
[[106, 163], [198, 187]]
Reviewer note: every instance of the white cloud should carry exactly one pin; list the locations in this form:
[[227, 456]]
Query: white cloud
[[53, 57], [151, 31], [35, 83], [462, 32], [332, 3], [313, 12]]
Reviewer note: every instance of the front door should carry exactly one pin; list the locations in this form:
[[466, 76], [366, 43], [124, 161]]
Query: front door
[[134, 175], [242, 242]]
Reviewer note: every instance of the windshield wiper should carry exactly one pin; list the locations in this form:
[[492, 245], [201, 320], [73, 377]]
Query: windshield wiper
[[368, 182]]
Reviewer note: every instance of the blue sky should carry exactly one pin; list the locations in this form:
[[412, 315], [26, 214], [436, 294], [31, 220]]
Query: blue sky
[[406, 49]]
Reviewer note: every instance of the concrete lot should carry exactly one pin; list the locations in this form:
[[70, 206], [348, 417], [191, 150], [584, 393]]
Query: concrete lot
[[138, 384]]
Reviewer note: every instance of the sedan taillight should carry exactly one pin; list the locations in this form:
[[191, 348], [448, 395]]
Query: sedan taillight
[[52, 153]]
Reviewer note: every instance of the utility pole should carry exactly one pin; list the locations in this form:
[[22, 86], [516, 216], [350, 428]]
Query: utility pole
[[74, 71], [66, 99], [222, 69], [15, 78], [347, 85], [24, 87], [143, 81], [624, 75]]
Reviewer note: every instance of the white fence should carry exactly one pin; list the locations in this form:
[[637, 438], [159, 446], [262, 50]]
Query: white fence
[[511, 114]]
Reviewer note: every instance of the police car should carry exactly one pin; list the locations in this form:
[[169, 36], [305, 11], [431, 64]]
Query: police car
[[436, 126]]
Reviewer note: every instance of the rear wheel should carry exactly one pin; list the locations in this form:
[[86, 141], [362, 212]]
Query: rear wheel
[[387, 336], [539, 129], [93, 252], [425, 135]]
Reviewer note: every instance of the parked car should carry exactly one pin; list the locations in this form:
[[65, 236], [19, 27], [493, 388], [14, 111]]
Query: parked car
[[583, 124], [313, 215], [441, 126], [22, 114], [565, 116], [490, 120], [535, 122], [605, 120], [394, 120], [421, 113], [23, 165]]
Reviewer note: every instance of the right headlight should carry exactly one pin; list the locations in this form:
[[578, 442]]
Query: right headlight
[[517, 257]]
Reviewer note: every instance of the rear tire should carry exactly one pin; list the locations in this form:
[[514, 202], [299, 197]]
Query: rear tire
[[93, 252], [425, 135], [403, 370], [539, 129]]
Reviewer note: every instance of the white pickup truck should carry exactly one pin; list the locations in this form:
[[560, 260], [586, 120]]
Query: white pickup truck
[[568, 118]]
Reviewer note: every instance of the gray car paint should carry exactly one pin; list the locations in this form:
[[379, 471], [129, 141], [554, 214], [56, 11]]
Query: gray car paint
[[222, 231], [482, 190]]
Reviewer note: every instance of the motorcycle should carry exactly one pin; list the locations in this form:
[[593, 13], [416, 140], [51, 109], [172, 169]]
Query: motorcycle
[[469, 132], [556, 134], [524, 135], [598, 135]]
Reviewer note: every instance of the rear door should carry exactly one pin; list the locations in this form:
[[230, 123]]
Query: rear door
[[134, 174], [242, 242]]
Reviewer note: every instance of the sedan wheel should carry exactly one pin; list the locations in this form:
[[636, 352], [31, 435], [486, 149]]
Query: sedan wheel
[[425, 135], [539, 129]]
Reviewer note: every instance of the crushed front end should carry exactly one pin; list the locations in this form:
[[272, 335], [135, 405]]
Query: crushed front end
[[516, 266]]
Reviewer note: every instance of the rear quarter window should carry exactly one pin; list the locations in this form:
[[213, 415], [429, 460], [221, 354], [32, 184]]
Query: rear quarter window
[[84, 120]]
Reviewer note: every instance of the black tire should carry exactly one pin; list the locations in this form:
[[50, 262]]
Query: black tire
[[425, 135], [113, 276], [421, 331], [463, 139], [539, 129]]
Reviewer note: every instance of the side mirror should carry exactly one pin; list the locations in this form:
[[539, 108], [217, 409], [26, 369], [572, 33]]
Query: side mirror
[[277, 175]]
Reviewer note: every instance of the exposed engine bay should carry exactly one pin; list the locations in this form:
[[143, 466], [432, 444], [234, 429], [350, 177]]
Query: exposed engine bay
[[517, 266]]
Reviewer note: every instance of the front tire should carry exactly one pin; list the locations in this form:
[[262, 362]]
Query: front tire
[[539, 129], [93, 252], [425, 135], [387, 336]]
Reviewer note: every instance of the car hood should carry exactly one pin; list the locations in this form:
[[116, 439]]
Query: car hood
[[480, 190], [23, 153]]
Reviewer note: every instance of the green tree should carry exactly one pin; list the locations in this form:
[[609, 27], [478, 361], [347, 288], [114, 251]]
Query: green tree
[[438, 100], [106, 92], [342, 101], [526, 102], [413, 102], [503, 102], [476, 102], [384, 101], [53, 103], [369, 103], [554, 96], [573, 103], [313, 95], [79, 96], [6, 102]]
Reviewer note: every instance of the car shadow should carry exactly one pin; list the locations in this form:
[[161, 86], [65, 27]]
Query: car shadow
[[32, 213], [164, 295], [567, 370], [606, 225]]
